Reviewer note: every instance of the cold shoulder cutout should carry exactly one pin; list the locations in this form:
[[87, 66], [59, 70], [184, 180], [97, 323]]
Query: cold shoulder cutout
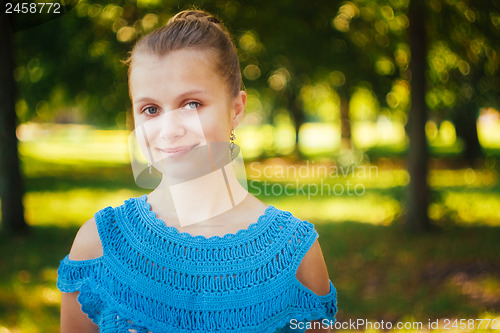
[[153, 278], [312, 271], [87, 244]]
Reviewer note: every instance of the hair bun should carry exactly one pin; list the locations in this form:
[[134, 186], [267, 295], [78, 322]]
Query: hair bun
[[194, 14]]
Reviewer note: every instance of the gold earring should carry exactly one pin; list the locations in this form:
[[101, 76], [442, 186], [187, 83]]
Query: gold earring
[[232, 137]]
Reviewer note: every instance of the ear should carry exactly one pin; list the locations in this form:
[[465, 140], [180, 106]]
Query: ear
[[239, 103]]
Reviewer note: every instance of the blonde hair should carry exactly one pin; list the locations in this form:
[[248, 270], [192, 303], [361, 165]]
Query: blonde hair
[[195, 29]]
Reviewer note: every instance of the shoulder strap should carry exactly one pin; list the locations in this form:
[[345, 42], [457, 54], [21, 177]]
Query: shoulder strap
[[106, 223], [302, 237]]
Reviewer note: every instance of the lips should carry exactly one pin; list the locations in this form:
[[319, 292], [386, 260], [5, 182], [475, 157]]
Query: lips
[[177, 151]]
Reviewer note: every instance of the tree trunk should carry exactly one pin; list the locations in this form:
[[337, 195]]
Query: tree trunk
[[11, 187], [345, 120], [297, 113], [465, 121], [418, 191]]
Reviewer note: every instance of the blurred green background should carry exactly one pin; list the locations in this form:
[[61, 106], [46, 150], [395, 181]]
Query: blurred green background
[[329, 96]]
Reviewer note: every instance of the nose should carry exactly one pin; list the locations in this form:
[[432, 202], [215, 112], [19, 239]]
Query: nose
[[172, 126]]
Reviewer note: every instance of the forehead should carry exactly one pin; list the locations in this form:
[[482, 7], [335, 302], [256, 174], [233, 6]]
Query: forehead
[[180, 69]]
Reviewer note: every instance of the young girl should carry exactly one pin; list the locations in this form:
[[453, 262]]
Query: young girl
[[199, 253]]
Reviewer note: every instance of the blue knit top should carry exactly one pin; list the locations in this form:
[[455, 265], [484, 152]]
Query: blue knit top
[[152, 278]]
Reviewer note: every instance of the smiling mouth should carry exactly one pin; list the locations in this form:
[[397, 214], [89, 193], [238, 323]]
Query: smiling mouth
[[177, 151]]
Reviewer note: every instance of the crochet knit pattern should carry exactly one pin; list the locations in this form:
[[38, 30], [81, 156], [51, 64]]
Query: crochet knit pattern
[[152, 278]]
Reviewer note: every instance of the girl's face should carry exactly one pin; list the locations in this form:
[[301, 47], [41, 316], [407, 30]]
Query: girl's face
[[181, 103]]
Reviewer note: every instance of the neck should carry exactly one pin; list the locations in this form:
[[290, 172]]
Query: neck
[[199, 199]]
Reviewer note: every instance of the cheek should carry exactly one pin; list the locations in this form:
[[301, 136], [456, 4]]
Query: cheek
[[215, 131], [216, 127], [147, 132]]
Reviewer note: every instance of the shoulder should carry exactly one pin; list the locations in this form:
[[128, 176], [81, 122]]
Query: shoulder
[[312, 271], [87, 244]]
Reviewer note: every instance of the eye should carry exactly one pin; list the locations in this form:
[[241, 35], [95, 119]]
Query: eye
[[150, 110], [192, 106]]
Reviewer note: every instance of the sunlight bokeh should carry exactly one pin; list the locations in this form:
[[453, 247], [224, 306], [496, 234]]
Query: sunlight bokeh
[[325, 198]]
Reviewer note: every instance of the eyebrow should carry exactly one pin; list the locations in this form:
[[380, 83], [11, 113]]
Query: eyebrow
[[180, 97]]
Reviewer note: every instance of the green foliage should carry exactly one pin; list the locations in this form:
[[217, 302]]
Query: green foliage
[[69, 69], [382, 274], [29, 299]]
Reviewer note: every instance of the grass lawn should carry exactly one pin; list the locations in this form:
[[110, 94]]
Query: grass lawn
[[380, 272]]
